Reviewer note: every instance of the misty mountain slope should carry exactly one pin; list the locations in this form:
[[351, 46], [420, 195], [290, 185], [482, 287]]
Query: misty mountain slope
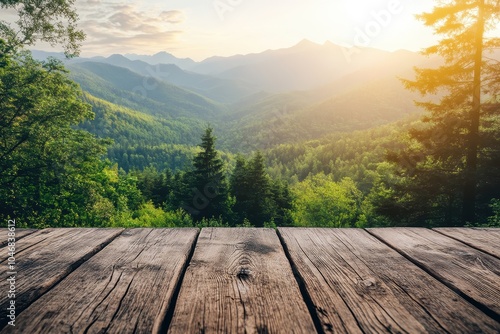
[[380, 102], [361, 100], [221, 90], [163, 58], [302, 67], [266, 105], [358, 92], [215, 88], [124, 87], [399, 65]]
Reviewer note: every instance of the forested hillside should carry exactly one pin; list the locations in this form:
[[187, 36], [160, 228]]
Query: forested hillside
[[147, 94]]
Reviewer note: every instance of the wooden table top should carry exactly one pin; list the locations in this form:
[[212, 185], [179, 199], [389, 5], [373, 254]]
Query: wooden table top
[[249, 280]]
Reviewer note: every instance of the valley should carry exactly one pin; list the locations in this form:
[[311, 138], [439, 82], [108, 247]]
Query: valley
[[256, 101]]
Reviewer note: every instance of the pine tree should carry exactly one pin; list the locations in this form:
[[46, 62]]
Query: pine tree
[[283, 199], [258, 198], [251, 187], [448, 151], [260, 192], [240, 188], [209, 188]]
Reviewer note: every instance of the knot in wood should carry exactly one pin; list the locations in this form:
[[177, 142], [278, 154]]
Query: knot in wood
[[243, 274], [369, 283]]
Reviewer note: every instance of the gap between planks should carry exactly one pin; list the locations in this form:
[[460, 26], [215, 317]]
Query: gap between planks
[[473, 274], [48, 265], [303, 290], [302, 286], [486, 240], [129, 287], [359, 285], [175, 296], [19, 234], [240, 280]]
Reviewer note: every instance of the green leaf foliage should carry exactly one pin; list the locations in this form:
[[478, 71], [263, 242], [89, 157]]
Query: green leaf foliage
[[326, 203]]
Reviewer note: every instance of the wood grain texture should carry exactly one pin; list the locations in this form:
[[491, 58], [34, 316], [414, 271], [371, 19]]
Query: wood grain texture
[[240, 281], [464, 269], [20, 233], [484, 239], [125, 288], [48, 256], [360, 285]]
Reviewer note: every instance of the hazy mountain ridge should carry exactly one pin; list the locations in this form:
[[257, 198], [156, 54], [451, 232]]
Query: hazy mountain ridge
[[305, 66], [163, 58], [221, 90], [265, 99], [365, 98]]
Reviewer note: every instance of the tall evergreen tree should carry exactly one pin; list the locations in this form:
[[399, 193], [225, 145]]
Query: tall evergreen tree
[[240, 188], [283, 199], [258, 198], [449, 152], [209, 188]]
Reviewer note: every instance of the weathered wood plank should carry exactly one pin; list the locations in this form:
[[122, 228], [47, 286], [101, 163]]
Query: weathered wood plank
[[471, 272], [46, 257], [125, 288], [33, 239], [485, 239], [19, 234], [360, 285], [240, 281]]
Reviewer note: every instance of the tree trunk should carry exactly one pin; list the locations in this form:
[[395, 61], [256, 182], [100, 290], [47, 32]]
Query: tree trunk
[[470, 186]]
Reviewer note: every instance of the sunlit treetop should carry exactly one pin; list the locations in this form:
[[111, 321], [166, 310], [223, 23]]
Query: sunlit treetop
[[457, 22]]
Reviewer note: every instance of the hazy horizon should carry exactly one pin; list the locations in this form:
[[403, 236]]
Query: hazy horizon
[[190, 29], [35, 48]]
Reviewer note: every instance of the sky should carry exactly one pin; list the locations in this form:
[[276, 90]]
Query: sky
[[202, 28]]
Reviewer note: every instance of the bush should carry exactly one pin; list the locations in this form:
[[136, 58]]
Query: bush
[[322, 202]]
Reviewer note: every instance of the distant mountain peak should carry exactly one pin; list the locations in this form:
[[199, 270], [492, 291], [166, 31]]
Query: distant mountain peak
[[163, 57], [305, 43], [330, 44], [117, 56]]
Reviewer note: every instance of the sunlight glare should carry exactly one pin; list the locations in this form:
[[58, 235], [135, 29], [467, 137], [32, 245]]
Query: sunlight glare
[[351, 9]]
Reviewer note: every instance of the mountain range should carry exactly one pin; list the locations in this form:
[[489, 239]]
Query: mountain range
[[253, 101]]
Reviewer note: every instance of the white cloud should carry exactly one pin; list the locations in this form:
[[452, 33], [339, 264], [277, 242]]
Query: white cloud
[[172, 16], [119, 27]]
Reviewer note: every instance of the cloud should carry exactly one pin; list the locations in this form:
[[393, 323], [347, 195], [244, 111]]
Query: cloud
[[172, 16], [115, 28]]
